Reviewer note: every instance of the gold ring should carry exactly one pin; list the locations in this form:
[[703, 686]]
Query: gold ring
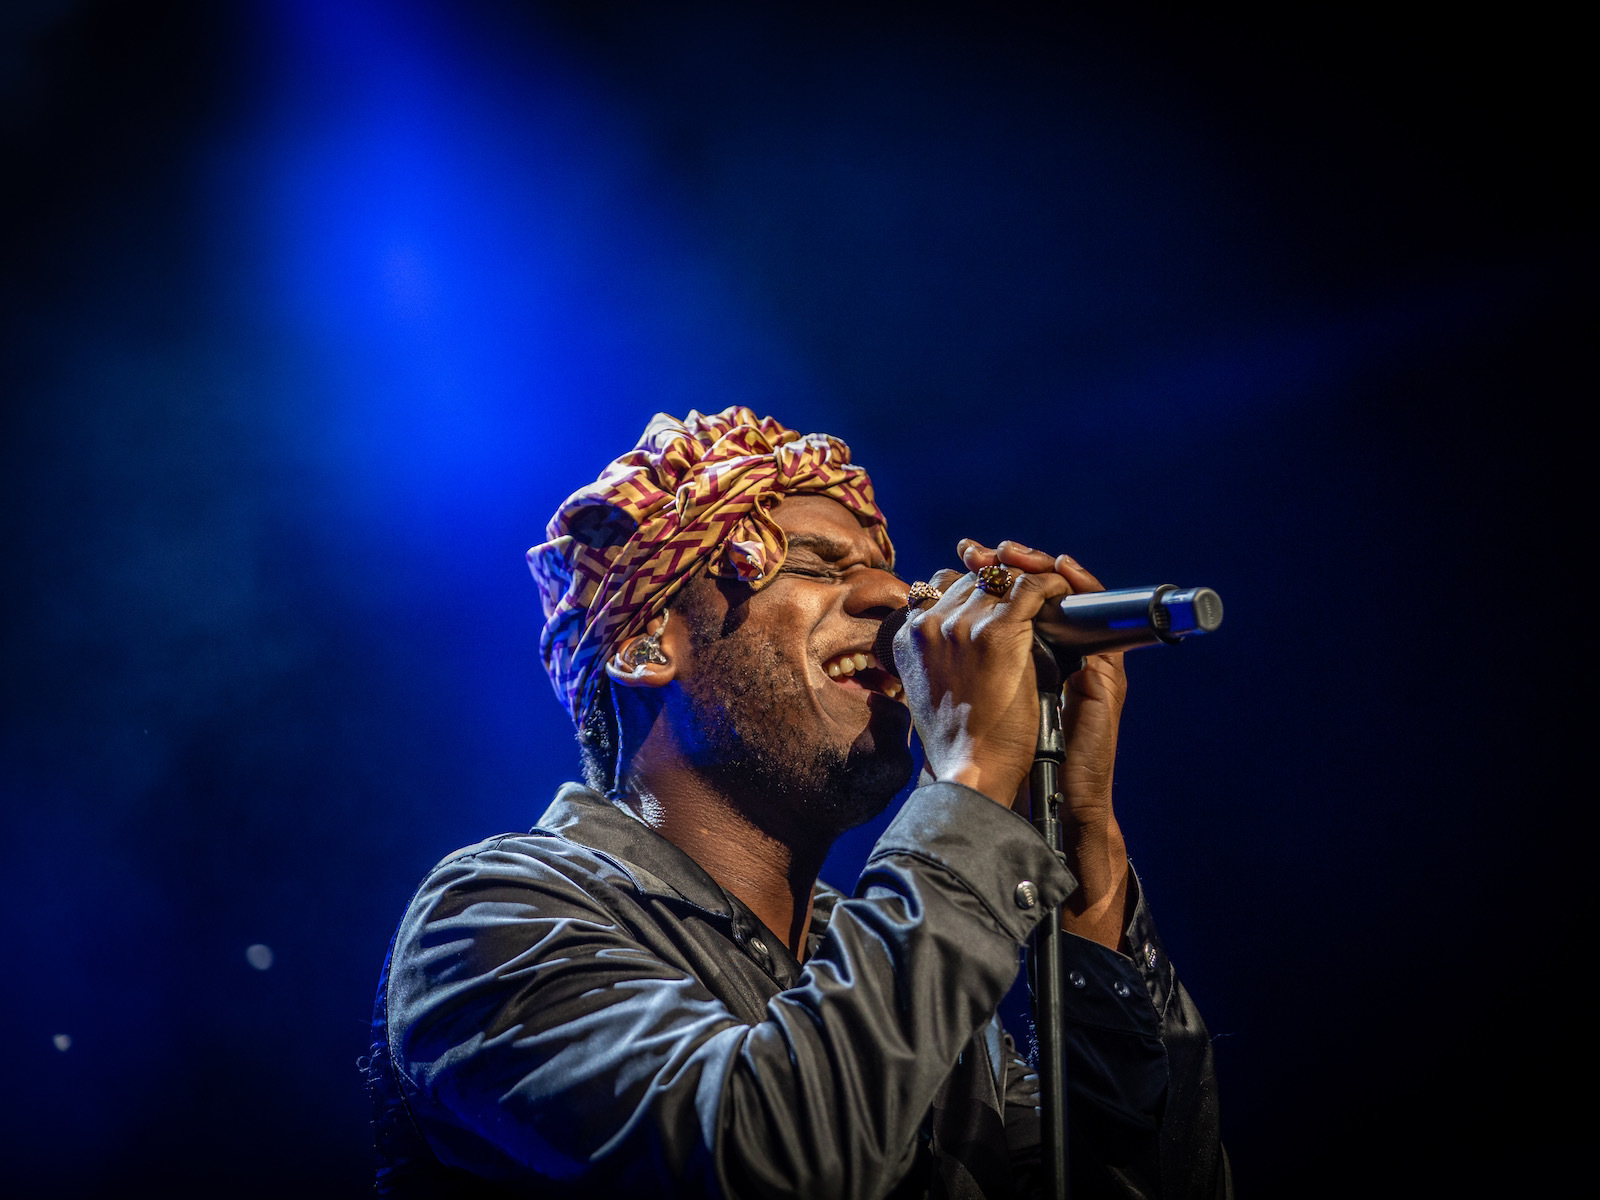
[[995, 580], [921, 593]]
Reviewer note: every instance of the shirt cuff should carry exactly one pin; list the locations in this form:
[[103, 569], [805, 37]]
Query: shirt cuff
[[1126, 990], [995, 854]]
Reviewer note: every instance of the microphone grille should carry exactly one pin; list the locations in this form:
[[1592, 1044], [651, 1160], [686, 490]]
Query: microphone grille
[[883, 644]]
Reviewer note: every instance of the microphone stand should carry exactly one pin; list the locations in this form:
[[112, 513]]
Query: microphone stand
[[1044, 948]]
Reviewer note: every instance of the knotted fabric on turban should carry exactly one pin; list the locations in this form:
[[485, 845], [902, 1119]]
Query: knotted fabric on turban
[[692, 493]]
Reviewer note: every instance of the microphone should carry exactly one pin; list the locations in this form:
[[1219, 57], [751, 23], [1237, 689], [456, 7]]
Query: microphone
[[1100, 622]]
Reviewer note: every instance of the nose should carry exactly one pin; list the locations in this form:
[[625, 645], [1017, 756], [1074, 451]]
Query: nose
[[875, 594]]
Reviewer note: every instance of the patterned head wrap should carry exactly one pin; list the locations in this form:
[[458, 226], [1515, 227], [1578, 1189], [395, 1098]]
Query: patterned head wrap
[[692, 493]]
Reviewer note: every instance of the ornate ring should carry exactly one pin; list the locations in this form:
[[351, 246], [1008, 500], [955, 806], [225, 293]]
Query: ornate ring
[[920, 592], [995, 580]]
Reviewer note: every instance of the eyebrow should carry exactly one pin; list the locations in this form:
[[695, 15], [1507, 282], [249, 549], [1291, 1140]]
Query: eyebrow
[[829, 548]]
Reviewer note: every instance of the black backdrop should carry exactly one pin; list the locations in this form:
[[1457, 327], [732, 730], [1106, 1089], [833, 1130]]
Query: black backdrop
[[314, 312]]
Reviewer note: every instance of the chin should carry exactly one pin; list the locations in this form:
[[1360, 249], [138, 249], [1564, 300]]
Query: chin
[[874, 772]]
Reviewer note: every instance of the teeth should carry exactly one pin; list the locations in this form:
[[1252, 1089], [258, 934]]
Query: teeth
[[847, 665]]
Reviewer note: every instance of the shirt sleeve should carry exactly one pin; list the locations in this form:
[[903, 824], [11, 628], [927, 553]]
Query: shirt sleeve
[[536, 1036], [1142, 1118]]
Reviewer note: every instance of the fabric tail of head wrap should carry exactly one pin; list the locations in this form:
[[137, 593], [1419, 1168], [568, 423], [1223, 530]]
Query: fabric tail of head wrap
[[693, 494]]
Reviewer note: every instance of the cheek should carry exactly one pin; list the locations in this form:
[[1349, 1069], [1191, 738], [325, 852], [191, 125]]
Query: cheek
[[792, 633]]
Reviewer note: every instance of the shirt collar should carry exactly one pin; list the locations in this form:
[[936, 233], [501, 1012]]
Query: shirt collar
[[655, 866]]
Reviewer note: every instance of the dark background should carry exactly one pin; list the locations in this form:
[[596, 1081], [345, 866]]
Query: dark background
[[313, 312]]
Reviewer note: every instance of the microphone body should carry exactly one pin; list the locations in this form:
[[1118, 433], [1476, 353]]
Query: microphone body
[[1101, 622]]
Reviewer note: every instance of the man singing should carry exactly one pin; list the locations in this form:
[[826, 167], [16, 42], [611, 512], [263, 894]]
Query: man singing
[[651, 993]]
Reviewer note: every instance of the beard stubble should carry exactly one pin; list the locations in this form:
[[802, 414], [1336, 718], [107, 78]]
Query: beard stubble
[[753, 729]]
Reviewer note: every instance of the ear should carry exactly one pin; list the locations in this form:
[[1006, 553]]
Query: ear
[[647, 659]]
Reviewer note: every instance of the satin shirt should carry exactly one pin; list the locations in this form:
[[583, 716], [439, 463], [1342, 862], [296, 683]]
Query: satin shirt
[[582, 1011]]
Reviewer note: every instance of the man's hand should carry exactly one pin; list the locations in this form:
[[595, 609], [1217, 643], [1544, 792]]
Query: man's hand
[[969, 679], [1090, 716]]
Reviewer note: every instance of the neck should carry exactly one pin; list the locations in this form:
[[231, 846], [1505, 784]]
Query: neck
[[772, 870]]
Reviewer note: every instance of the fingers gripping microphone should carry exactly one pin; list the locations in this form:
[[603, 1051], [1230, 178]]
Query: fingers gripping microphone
[[1101, 622]]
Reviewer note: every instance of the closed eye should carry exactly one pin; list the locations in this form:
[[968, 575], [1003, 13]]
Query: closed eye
[[831, 575], [812, 573]]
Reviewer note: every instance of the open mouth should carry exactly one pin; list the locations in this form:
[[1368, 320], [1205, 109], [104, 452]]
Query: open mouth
[[859, 669]]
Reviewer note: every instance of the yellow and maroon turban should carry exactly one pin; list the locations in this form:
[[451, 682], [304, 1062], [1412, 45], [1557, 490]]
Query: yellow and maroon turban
[[693, 493]]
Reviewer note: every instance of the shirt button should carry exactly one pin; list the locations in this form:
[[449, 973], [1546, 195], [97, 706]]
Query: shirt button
[[1026, 895], [1076, 978], [758, 945], [1120, 988]]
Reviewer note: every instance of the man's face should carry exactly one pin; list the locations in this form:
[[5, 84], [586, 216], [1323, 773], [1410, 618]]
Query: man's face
[[768, 707]]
